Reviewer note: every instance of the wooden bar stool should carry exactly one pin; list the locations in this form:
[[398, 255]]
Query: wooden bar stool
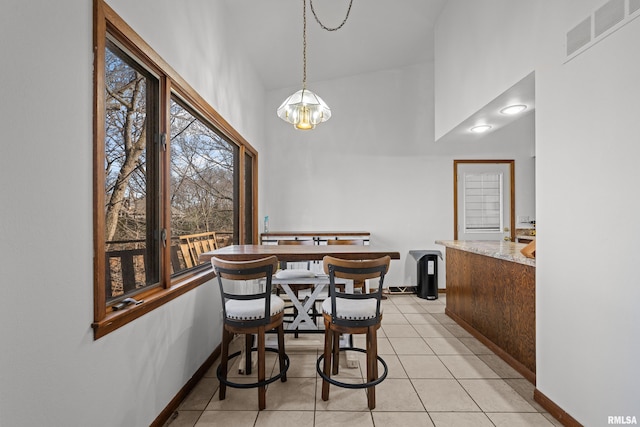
[[248, 314], [352, 314], [359, 284]]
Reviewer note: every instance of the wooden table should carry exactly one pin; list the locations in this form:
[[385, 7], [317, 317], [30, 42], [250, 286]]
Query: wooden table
[[292, 253], [304, 322]]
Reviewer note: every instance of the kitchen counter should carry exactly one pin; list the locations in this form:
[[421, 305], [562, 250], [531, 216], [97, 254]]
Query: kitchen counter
[[507, 251], [491, 293]]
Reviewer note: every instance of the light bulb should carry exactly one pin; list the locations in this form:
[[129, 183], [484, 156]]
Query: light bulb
[[513, 109], [480, 128]]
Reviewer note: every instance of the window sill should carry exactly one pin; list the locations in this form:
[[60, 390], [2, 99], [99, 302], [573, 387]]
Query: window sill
[[152, 300]]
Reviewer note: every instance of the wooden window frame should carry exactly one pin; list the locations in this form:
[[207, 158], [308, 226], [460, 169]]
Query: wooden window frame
[[106, 320]]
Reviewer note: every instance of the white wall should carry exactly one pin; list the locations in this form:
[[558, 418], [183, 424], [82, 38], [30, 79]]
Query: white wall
[[383, 174], [374, 166], [586, 147], [52, 372], [587, 152], [477, 30]]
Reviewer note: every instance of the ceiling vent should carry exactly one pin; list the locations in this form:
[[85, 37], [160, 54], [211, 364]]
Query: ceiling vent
[[607, 16], [579, 36], [601, 23]]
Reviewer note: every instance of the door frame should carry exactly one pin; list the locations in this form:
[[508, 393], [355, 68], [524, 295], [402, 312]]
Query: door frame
[[512, 177]]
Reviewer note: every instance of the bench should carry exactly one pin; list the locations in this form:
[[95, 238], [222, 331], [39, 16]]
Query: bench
[[192, 245]]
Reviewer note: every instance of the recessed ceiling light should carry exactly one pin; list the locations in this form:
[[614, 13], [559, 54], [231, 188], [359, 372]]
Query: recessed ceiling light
[[480, 128], [513, 109]]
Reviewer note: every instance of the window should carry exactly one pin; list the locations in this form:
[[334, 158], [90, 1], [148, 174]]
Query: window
[[482, 202], [204, 196], [132, 221], [171, 178]]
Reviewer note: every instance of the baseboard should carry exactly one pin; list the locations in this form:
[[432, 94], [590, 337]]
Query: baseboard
[[515, 364], [557, 412], [172, 407], [409, 289]]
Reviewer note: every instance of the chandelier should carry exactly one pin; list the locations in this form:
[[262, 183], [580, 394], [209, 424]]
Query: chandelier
[[304, 109]]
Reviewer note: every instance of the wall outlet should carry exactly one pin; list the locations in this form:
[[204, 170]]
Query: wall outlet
[[522, 219]]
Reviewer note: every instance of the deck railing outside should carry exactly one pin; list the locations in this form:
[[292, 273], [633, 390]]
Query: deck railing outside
[[126, 259]]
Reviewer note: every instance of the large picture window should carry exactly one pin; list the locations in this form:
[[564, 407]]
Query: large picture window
[[172, 179]]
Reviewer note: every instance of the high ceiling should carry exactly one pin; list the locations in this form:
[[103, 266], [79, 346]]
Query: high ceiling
[[379, 34]]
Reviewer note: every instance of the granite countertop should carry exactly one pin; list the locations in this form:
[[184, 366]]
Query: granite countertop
[[508, 251]]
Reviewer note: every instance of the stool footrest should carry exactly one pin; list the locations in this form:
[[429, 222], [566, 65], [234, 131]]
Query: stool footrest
[[256, 384], [351, 385]]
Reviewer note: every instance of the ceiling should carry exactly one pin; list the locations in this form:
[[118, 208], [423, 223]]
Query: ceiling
[[379, 34]]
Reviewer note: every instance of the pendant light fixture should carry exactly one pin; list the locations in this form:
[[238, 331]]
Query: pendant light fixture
[[304, 109]]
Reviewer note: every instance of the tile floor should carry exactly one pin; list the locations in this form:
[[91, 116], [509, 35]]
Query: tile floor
[[439, 375]]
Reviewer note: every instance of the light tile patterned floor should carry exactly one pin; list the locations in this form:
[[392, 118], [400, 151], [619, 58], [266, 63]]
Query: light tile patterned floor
[[439, 375]]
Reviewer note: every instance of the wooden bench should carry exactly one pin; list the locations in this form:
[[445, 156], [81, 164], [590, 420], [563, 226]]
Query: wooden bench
[[193, 245]]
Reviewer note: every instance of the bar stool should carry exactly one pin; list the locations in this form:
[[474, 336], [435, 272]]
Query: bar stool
[[356, 285], [248, 314], [352, 314]]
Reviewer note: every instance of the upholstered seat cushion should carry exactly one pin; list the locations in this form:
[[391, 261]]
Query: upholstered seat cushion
[[295, 273], [350, 309], [252, 309]]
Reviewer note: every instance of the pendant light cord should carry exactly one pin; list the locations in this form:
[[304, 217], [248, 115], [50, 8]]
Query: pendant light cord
[[304, 34], [304, 44], [325, 27]]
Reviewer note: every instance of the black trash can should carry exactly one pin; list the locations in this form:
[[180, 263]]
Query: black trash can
[[427, 274]]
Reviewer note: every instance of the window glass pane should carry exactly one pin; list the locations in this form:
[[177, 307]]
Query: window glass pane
[[483, 202], [131, 218], [203, 194]]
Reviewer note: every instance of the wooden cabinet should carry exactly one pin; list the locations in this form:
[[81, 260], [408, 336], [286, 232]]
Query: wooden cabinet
[[494, 299]]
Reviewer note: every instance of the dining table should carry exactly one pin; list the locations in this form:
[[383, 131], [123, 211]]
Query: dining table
[[298, 253], [293, 253]]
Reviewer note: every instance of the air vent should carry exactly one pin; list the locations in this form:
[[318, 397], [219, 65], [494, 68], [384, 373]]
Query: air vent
[[608, 16], [579, 36], [604, 21]]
